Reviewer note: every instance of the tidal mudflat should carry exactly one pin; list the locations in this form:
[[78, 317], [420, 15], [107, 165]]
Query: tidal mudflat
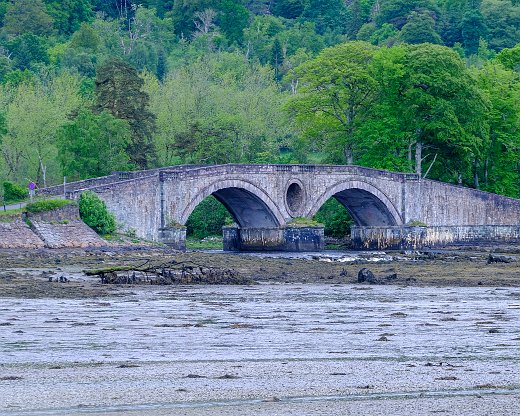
[[267, 349]]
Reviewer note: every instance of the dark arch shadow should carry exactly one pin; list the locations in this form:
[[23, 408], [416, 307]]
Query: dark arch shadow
[[246, 208], [365, 208], [249, 206], [367, 205]]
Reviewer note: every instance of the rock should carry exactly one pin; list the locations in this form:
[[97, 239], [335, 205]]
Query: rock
[[493, 258], [366, 276]]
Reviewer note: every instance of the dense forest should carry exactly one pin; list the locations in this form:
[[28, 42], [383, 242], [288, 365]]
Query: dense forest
[[429, 86]]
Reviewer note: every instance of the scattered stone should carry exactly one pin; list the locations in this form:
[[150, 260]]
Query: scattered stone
[[494, 258], [366, 276], [494, 331], [383, 338], [272, 399], [194, 376], [338, 374], [228, 377], [129, 365], [447, 378], [10, 378]]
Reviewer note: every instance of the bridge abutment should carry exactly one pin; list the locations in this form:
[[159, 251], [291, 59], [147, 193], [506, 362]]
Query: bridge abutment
[[274, 239], [413, 238]]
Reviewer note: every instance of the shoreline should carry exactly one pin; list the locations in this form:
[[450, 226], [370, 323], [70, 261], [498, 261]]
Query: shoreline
[[27, 273]]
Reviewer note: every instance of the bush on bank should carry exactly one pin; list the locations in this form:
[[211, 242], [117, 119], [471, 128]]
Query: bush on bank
[[94, 213]]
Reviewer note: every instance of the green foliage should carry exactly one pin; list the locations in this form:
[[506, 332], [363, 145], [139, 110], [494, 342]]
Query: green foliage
[[94, 213], [335, 218], [14, 193], [27, 51], [119, 91], [336, 90], [208, 219], [69, 14], [215, 78], [27, 17], [93, 145], [420, 28], [47, 205]]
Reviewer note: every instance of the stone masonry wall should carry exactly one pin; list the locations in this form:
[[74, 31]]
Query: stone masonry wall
[[17, 234]]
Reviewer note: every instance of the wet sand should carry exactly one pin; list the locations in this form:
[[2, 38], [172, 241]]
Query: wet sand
[[319, 344]]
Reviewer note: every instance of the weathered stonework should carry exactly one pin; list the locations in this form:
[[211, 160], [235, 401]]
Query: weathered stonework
[[274, 239], [17, 234], [268, 197], [60, 228], [412, 238]]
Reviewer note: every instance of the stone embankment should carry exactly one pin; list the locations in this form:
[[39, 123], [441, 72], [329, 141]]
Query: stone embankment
[[60, 228]]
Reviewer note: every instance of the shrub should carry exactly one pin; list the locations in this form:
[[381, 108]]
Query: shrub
[[208, 219], [335, 217], [14, 192], [47, 205], [94, 213]]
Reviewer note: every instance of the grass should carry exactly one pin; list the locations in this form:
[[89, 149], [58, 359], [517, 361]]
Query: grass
[[207, 243], [304, 222], [11, 215], [47, 205]]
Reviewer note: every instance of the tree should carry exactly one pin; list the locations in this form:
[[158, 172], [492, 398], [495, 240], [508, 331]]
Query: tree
[[218, 109], [396, 12], [232, 17], [502, 20], [438, 107], [68, 15], [510, 58], [289, 9], [85, 38], [119, 91], [473, 29], [93, 145], [335, 94], [328, 15], [27, 50], [500, 158], [28, 16], [35, 111], [419, 28]]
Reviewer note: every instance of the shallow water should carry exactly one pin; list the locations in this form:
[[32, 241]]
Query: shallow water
[[210, 349]]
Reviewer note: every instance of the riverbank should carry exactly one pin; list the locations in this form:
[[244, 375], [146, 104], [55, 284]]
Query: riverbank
[[61, 273]]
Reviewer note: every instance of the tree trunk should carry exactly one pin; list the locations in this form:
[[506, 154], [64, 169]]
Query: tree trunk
[[410, 145], [418, 157], [476, 182], [349, 155]]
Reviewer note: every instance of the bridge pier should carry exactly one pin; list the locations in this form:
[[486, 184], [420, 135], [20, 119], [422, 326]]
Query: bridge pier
[[274, 239], [174, 237]]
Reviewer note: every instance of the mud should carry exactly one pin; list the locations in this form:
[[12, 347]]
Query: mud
[[37, 273]]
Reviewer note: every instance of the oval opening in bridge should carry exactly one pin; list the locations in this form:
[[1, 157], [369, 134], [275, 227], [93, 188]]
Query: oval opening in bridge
[[294, 197]]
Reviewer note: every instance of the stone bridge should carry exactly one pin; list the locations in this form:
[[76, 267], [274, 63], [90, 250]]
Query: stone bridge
[[390, 209]]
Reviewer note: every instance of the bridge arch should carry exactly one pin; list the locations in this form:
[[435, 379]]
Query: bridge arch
[[367, 205], [250, 206]]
